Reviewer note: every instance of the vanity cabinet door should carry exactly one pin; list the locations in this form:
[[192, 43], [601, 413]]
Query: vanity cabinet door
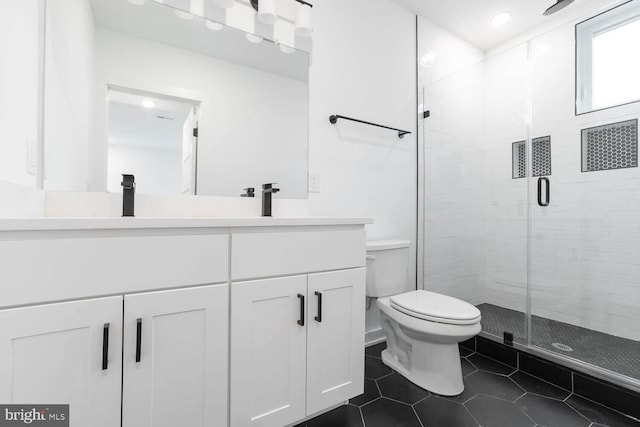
[[268, 347], [335, 340], [175, 358], [66, 353]]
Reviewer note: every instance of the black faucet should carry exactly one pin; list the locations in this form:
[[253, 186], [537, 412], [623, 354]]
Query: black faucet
[[267, 191], [249, 192], [128, 193]]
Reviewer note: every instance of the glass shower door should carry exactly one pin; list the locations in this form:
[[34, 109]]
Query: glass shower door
[[475, 188], [584, 247]]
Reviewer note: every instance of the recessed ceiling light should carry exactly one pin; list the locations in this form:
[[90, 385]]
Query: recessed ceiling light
[[148, 104], [501, 19]]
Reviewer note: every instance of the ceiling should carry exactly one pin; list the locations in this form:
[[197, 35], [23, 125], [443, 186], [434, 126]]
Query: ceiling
[[471, 19]]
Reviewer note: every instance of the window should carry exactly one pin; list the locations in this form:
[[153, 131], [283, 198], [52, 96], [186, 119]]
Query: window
[[608, 64]]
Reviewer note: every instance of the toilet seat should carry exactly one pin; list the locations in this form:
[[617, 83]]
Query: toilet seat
[[435, 308]]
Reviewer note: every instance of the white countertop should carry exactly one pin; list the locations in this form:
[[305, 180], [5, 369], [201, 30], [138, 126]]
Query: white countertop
[[35, 224]]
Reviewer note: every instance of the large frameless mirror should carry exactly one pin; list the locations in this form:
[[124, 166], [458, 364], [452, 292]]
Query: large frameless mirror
[[187, 105]]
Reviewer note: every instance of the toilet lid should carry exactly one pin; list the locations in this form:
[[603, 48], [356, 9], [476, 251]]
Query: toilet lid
[[436, 308]]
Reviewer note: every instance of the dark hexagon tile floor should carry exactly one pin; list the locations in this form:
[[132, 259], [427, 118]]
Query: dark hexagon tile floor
[[374, 368], [437, 412], [534, 385], [495, 395], [494, 385], [489, 365], [396, 387], [550, 412]]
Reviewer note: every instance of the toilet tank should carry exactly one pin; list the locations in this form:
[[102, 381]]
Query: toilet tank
[[387, 265]]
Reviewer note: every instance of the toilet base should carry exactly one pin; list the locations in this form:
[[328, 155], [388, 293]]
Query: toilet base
[[434, 367]]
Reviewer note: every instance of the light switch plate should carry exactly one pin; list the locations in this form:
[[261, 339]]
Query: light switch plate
[[314, 183]]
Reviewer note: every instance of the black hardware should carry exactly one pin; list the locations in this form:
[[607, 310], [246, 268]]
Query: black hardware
[[105, 347], [138, 339], [301, 321], [195, 132], [318, 318], [334, 119], [426, 114], [267, 191], [249, 192], [254, 3], [548, 200], [128, 194], [508, 338]]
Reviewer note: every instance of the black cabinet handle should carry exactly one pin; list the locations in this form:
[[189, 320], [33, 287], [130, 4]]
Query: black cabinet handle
[[301, 321], [138, 339], [319, 316], [105, 347], [548, 184]]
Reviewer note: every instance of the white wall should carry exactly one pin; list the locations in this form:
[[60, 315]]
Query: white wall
[[363, 65], [251, 123], [156, 171], [20, 62], [69, 94]]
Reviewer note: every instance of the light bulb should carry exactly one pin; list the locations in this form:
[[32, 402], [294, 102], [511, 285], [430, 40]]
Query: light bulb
[[267, 11], [183, 15], [253, 38], [286, 49], [224, 4], [303, 21], [213, 26]]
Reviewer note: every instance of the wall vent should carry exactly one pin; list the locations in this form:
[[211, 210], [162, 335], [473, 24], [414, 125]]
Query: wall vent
[[612, 146], [519, 164], [541, 156], [541, 165]]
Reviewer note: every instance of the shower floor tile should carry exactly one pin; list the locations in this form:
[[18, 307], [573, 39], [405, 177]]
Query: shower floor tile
[[616, 354]]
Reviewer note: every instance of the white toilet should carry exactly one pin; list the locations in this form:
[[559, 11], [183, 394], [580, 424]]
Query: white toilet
[[423, 328]]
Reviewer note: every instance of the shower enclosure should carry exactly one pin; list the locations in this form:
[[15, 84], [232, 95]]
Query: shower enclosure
[[531, 206]]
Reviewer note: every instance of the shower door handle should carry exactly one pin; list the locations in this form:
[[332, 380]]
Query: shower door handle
[[546, 202]]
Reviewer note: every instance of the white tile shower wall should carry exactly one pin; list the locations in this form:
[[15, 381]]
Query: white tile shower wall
[[363, 65], [453, 189], [505, 103], [586, 246]]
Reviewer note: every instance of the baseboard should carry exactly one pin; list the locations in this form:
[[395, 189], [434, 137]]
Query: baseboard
[[373, 337]]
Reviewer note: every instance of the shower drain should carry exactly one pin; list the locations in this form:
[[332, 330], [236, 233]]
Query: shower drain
[[561, 347]]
